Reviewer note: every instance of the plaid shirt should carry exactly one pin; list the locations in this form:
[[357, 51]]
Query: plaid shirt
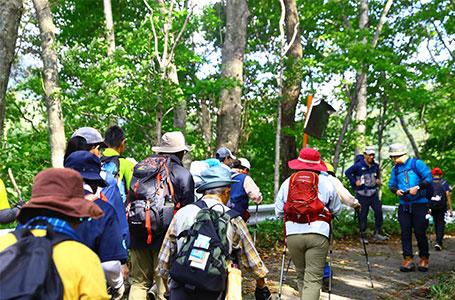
[[238, 237]]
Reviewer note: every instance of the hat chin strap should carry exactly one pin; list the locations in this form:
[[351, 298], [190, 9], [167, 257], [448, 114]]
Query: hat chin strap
[[309, 161]]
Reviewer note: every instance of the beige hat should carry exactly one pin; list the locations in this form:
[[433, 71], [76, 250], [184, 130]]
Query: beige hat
[[369, 150], [172, 142], [397, 150]]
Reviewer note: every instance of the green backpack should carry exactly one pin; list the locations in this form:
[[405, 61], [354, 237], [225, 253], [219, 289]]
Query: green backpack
[[201, 262]]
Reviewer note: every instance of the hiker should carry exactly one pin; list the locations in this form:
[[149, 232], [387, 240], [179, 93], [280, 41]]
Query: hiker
[[345, 196], [308, 229], [114, 162], [438, 205], [190, 277], [102, 235], [364, 177], [7, 213], [160, 186], [245, 165], [89, 139], [410, 180], [57, 201], [225, 156], [243, 190]]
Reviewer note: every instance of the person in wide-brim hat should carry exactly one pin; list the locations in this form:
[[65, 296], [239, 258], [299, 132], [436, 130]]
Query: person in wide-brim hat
[[172, 142], [61, 191], [215, 177], [309, 159]]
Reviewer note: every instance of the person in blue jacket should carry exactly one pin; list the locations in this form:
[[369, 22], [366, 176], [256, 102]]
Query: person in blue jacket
[[364, 177], [410, 179]]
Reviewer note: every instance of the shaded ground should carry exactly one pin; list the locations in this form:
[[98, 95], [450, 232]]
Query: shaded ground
[[351, 274]]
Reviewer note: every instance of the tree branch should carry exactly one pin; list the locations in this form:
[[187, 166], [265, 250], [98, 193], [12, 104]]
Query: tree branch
[[179, 35], [382, 20], [155, 36]]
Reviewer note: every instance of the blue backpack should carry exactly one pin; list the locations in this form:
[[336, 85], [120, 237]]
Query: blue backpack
[[27, 270], [111, 165]]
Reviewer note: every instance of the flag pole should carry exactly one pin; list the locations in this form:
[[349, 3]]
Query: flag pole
[[308, 106]]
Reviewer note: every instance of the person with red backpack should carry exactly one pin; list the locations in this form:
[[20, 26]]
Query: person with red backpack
[[160, 186], [438, 205], [307, 200]]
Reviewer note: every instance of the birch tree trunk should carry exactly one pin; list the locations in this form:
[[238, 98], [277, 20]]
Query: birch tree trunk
[[10, 16], [228, 125], [205, 122], [361, 109], [291, 85], [408, 133], [110, 36], [50, 78]]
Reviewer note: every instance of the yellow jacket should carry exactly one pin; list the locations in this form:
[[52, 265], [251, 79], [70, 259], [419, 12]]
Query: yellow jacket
[[3, 198]]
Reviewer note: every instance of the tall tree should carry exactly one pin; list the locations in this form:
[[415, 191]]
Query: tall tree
[[291, 85], [110, 34], [51, 85], [228, 127], [10, 16]]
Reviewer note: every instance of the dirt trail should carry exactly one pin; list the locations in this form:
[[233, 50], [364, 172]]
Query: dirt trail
[[351, 274]]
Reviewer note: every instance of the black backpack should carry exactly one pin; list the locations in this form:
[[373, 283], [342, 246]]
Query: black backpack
[[27, 270], [151, 199], [438, 200], [201, 264]]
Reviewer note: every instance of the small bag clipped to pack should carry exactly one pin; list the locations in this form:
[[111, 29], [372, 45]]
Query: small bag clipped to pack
[[151, 199], [27, 270], [201, 261], [111, 165], [439, 199], [303, 204]]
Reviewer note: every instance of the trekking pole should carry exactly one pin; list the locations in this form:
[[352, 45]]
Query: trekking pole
[[330, 260], [364, 249], [255, 225], [282, 271], [16, 188]]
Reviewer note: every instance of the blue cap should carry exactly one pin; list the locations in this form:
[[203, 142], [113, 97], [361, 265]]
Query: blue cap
[[215, 177], [86, 163]]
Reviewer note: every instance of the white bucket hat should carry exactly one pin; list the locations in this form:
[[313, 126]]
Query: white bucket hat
[[397, 150], [245, 163], [172, 142]]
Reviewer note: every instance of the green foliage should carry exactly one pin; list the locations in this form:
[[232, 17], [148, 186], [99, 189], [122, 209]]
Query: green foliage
[[445, 288]]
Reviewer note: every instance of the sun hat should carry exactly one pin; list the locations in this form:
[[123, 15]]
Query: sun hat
[[224, 152], [397, 150], [91, 135], [329, 167], [172, 142], [369, 150], [436, 171], [309, 159], [215, 177], [87, 164], [61, 190], [245, 163]]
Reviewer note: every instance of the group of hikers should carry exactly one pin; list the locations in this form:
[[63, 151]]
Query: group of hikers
[[106, 223]]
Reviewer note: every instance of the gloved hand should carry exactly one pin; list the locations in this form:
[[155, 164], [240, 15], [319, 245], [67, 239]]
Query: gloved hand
[[117, 294], [262, 293]]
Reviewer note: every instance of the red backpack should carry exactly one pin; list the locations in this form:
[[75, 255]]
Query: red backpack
[[303, 204]]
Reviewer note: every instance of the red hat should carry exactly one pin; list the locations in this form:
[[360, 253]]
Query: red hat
[[309, 159], [61, 190], [436, 171]]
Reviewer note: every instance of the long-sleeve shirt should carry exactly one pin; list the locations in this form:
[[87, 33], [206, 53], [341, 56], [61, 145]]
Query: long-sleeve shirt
[[251, 188], [326, 193], [345, 196], [237, 235]]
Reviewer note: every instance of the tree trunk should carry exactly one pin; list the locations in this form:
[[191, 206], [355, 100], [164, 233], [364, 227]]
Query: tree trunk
[[361, 109], [206, 125], [408, 133], [291, 86], [50, 76], [228, 127], [110, 36], [10, 16]]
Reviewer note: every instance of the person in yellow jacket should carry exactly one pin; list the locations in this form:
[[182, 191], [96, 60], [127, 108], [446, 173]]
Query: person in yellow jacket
[[3, 198], [7, 214], [58, 198]]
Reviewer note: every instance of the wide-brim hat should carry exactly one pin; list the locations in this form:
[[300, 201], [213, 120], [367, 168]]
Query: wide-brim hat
[[87, 164], [215, 177], [397, 150], [309, 159], [61, 190], [172, 142]]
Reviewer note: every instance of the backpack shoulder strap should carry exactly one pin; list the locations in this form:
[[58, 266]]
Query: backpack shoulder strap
[[200, 203], [414, 167], [232, 213]]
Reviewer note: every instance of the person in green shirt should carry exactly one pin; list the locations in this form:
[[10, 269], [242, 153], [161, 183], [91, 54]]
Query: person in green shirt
[[115, 140]]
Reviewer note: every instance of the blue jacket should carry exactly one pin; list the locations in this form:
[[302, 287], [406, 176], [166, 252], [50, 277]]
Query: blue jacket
[[403, 178], [366, 174]]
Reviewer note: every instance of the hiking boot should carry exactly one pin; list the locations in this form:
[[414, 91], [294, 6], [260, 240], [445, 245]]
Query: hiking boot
[[437, 247], [379, 237], [408, 265], [423, 264], [363, 236]]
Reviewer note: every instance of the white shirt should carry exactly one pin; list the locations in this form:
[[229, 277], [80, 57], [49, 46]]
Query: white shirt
[[328, 195]]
